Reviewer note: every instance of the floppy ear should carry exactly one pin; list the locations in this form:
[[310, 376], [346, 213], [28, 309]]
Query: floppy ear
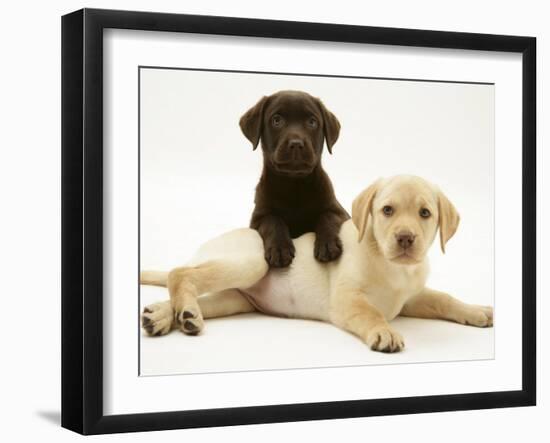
[[448, 220], [251, 122], [361, 208], [331, 126]]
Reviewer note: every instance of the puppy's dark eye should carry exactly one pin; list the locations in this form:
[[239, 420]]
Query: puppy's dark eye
[[388, 211], [277, 121], [312, 122], [424, 213]]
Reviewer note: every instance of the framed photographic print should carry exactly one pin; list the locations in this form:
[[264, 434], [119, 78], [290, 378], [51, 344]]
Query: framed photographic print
[[269, 221]]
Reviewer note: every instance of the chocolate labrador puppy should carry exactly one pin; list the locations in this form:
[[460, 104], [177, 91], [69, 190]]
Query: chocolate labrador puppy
[[294, 194]]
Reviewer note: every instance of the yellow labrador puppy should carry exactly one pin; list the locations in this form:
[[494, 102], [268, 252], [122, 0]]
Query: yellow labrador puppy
[[381, 274]]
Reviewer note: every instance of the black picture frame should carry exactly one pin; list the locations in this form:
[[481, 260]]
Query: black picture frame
[[82, 220]]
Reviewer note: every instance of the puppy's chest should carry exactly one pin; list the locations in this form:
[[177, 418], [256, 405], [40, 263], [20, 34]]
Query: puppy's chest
[[389, 294], [300, 217]]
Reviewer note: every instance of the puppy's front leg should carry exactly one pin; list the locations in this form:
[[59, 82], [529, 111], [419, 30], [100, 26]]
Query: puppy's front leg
[[278, 247], [435, 304], [351, 311], [328, 245]]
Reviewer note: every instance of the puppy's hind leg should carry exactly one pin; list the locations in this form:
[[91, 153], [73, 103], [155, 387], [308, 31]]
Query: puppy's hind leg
[[158, 318], [186, 284], [224, 304], [153, 278]]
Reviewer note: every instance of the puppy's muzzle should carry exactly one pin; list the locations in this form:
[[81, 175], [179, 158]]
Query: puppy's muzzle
[[295, 155], [296, 147], [405, 239]]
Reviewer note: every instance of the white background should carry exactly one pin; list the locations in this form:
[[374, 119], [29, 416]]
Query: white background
[[125, 50], [198, 174], [30, 232]]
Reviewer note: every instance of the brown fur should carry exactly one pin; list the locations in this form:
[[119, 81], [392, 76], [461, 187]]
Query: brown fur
[[294, 194]]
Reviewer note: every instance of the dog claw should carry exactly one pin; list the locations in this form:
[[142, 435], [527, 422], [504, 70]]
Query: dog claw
[[328, 250], [385, 339], [156, 320], [189, 321], [280, 256], [190, 328]]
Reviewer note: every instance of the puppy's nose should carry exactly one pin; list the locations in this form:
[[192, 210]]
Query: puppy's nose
[[295, 143], [405, 239]]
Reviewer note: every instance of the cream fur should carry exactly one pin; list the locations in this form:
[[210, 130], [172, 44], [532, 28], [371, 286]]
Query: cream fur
[[372, 283]]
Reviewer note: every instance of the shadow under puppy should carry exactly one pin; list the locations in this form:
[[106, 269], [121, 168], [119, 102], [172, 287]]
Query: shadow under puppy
[[294, 194], [382, 272]]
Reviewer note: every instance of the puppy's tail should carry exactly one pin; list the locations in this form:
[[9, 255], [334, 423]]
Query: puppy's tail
[[153, 278]]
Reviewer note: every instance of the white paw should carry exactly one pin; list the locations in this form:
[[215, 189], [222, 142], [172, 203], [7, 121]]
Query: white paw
[[384, 339], [189, 320], [475, 315], [157, 319]]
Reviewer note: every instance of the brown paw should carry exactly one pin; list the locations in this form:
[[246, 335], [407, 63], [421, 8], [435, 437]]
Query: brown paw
[[385, 339], [326, 250], [280, 255]]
